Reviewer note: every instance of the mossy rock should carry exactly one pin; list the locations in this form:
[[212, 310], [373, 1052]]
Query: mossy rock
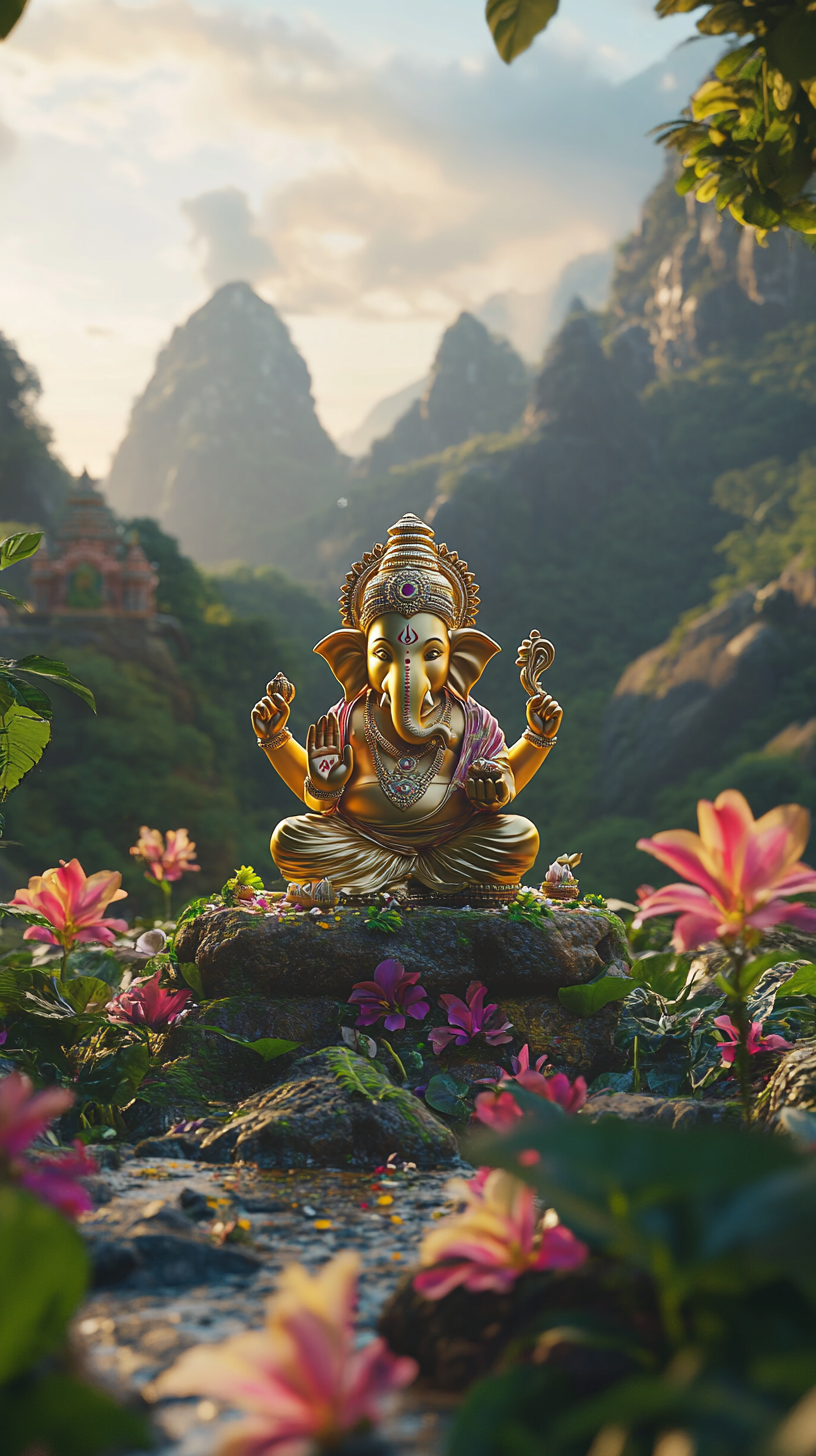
[[242, 954], [337, 1110]]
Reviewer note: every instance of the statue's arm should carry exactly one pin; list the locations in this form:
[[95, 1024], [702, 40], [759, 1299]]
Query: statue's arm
[[544, 717], [269, 719]]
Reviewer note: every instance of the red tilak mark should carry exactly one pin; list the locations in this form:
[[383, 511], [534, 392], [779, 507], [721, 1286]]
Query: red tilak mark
[[408, 635]]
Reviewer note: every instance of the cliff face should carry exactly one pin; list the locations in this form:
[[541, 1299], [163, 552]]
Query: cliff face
[[725, 686], [224, 447], [478, 386], [690, 279]]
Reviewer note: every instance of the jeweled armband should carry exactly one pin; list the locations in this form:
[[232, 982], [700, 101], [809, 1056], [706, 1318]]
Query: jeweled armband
[[537, 741], [281, 737], [315, 793]]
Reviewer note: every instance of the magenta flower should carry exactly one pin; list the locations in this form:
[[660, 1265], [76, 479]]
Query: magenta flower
[[756, 1041], [393, 994], [468, 1019], [495, 1239], [499, 1109], [301, 1382], [24, 1114], [144, 1003]]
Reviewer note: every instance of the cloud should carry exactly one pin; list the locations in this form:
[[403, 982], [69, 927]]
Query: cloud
[[389, 189], [224, 230]]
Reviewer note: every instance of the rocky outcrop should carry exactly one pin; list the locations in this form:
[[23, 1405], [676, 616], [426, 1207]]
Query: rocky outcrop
[[337, 1110], [478, 385], [690, 279], [682, 706], [237, 953], [224, 447]]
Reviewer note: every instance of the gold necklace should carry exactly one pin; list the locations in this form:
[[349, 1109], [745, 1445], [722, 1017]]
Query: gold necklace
[[404, 785]]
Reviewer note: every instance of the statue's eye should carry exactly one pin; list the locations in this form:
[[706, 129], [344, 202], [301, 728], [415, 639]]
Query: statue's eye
[[383, 654], [433, 654]]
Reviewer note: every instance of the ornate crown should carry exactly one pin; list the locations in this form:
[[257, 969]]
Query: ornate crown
[[409, 575]]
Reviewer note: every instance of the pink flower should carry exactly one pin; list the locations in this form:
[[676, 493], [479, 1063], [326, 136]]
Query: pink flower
[[144, 1003], [164, 861], [499, 1109], [467, 1019], [739, 868], [756, 1041], [300, 1380], [494, 1240], [74, 903], [24, 1114], [393, 993]]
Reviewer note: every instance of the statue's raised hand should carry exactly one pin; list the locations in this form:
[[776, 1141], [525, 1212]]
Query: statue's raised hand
[[271, 714], [544, 715], [330, 765], [486, 784]]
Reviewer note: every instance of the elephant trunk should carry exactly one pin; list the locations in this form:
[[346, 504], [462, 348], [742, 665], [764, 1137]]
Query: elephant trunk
[[406, 703]]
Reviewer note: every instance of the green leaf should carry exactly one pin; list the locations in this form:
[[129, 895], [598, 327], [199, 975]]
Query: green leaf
[[764, 211], [791, 46], [43, 1275], [586, 1000], [665, 973], [801, 983], [514, 24], [115, 1078], [448, 1095], [85, 993], [10, 597], [267, 1047], [24, 543], [192, 976], [58, 1414], [23, 736], [28, 694], [57, 672], [97, 962]]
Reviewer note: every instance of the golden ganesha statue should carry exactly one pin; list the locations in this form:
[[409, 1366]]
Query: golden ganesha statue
[[408, 778]]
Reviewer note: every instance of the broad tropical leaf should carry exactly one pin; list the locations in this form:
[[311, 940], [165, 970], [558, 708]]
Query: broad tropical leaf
[[514, 24], [23, 543], [23, 736], [57, 672]]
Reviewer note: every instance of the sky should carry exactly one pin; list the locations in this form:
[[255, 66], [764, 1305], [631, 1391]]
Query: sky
[[370, 166]]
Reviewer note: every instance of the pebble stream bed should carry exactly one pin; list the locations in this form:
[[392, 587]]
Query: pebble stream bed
[[132, 1330]]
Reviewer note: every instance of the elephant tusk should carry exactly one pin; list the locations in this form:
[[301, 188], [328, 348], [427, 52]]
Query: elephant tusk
[[428, 702], [385, 701]]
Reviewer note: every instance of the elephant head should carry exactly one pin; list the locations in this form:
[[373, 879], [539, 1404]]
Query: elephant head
[[408, 661]]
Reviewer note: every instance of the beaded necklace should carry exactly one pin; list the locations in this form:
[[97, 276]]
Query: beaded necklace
[[405, 784]]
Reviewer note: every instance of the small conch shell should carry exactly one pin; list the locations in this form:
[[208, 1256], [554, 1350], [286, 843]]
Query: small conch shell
[[300, 895], [323, 894]]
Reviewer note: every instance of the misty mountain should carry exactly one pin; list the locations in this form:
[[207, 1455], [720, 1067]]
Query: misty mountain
[[478, 385], [224, 448], [381, 418]]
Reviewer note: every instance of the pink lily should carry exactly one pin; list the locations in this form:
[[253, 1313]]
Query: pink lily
[[393, 994], [144, 1003], [24, 1114], [499, 1109], [494, 1240], [468, 1019], [756, 1042], [74, 903], [165, 861], [300, 1380], [740, 868]]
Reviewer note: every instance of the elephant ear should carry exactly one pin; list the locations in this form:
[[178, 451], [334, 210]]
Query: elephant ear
[[345, 652], [470, 653]]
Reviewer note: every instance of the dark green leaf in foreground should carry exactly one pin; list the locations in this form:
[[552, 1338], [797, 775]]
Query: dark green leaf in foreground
[[57, 672], [267, 1047], [586, 1000], [446, 1094], [23, 543], [23, 736], [58, 1414], [514, 24], [43, 1274]]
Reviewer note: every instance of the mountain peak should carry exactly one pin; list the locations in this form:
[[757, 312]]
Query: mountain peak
[[225, 447]]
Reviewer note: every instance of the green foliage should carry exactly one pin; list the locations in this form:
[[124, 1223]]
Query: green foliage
[[387, 922], [61, 1415], [586, 1000], [10, 12], [527, 909], [43, 1274], [362, 1077], [267, 1047], [706, 1293], [445, 1093], [514, 24]]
